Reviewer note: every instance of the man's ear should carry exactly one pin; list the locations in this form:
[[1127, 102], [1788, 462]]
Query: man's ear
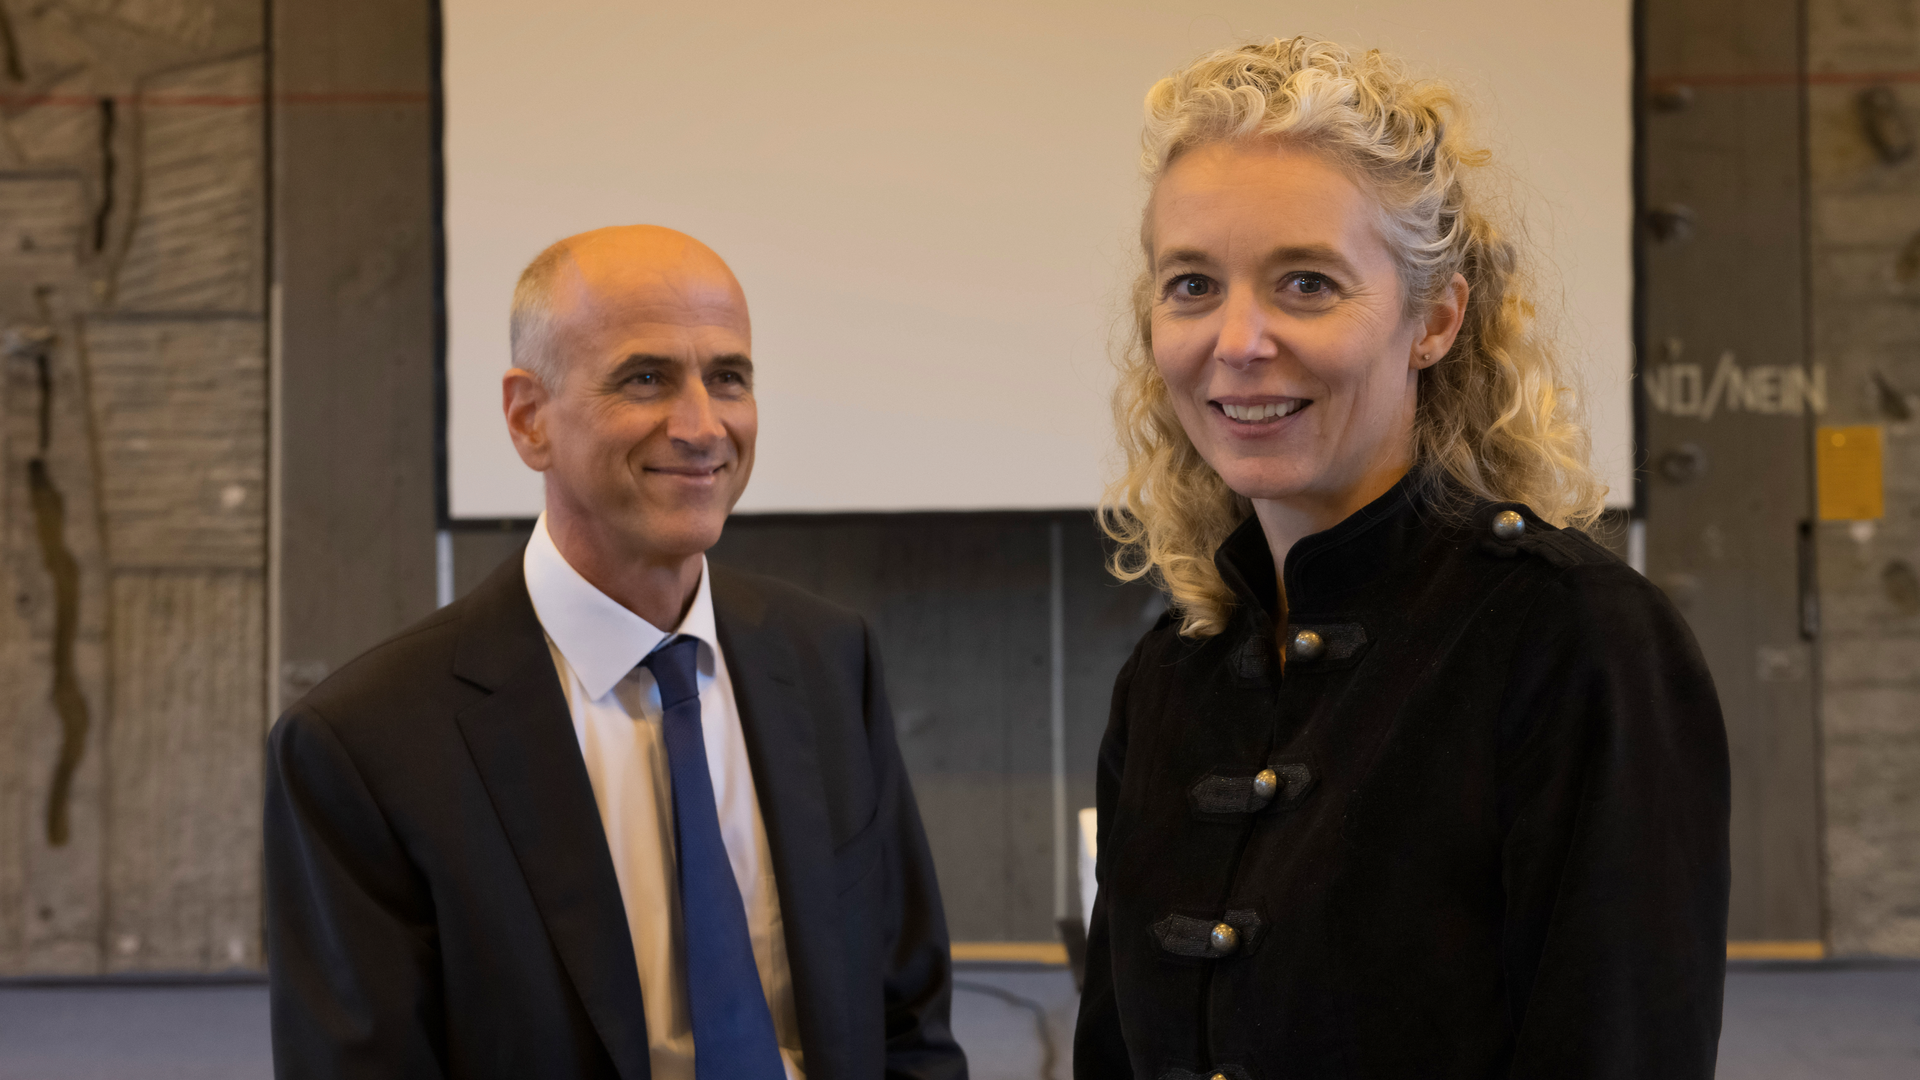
[[523, 397], [1442, 325]]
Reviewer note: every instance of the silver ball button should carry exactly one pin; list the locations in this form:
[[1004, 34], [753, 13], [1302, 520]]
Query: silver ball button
[[1223, 940], [1308, 645], [1265, 784], [1509, 525]]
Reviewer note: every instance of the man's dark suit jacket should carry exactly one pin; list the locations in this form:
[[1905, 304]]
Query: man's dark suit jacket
[[440, 897]]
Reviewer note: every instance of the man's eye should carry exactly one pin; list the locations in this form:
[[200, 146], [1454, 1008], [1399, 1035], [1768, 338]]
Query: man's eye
[[646, 378]]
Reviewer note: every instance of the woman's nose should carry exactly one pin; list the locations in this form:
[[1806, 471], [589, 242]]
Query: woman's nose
[[1245, 331]]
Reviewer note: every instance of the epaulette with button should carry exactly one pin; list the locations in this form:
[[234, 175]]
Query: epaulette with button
[[1507, 529]]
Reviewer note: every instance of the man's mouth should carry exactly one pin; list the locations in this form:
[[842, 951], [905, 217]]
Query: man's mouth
[[1262, 412]]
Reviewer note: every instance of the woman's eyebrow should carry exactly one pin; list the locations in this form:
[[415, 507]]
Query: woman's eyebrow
[[1182, 257], [1314, 255], [1319, 256]]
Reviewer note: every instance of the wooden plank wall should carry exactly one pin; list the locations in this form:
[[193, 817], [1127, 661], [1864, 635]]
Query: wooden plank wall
[[1721, 259], [354, 254], [132, 488], [1865, 268]]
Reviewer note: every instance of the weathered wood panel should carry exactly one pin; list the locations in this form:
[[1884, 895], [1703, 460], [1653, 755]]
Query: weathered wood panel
[[1866, 331], [132, 483], [43, 218], [180, 407], [198, 241], [183, 821], [1724, 540], [353, 223], [37, 137], [58, 696], [40, 215]]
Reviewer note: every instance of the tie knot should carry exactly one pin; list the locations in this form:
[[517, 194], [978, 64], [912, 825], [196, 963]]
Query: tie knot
[[673, 668]]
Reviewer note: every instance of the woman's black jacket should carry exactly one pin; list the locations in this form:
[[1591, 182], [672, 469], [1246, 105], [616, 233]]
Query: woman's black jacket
[[1497, 840]]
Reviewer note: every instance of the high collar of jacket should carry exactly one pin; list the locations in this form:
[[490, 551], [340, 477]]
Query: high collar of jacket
[[1324, 567]]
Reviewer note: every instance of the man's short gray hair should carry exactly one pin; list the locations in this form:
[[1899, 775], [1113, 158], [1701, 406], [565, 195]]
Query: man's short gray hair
[[530, 326]]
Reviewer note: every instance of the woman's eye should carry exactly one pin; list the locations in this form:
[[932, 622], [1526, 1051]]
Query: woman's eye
[[1310, 284], [1190, 285]]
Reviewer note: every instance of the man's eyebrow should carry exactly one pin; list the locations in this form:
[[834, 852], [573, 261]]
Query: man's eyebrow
[[636, 362]]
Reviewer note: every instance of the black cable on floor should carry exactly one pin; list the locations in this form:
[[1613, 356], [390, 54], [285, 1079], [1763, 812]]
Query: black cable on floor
[[1040, 1024]]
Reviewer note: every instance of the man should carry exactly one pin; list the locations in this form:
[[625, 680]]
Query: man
[[617, 812]]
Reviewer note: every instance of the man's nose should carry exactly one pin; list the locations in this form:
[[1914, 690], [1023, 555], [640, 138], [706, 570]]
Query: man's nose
[[693, 421], [1245, 331]]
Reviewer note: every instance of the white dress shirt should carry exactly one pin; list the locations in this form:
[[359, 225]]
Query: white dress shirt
[[597, 646]]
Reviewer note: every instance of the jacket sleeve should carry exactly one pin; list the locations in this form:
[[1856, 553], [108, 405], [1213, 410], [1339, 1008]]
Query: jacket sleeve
[[350, 933], [1099, 1045], [919, 974], [1614, 802]]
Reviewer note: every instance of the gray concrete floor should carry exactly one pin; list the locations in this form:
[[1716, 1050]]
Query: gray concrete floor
[[82, 1031], [1783, 1022], [1839, 1021]]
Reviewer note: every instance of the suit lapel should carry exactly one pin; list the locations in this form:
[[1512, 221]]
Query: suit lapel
[[522, 742], [784, 755]]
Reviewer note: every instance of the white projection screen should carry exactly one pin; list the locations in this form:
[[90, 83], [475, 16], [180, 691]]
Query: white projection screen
[[934, 209]]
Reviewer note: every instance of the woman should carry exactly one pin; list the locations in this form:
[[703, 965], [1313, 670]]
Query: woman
[[1412, 780]]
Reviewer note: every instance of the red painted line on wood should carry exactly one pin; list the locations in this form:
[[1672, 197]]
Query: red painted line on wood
[[364, 97], [1783, 78], [167, 100]]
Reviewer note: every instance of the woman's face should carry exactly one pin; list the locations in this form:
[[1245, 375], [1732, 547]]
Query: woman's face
[[1279, 326]]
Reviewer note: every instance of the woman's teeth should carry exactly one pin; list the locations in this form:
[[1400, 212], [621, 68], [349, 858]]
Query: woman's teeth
[[1248, 414]]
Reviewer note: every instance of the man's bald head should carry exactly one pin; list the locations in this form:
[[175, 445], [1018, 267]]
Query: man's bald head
[[614, 267], [632, 393]]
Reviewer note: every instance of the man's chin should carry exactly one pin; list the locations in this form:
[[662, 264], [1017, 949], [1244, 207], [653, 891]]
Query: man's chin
[[680, 529]]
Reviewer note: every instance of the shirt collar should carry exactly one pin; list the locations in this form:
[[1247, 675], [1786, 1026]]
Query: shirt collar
[[1380, 538], [601, 640]]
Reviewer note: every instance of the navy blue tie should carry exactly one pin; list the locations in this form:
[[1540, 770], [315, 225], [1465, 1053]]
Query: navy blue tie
[[732, 1027]]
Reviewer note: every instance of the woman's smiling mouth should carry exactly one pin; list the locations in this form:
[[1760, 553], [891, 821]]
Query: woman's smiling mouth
[[1262, 412]]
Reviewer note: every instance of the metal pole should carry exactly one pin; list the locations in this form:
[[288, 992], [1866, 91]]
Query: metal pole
[[1057, 717], [443, 567]]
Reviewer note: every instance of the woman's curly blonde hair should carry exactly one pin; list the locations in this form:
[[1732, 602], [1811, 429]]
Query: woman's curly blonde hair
[[1495, 416]]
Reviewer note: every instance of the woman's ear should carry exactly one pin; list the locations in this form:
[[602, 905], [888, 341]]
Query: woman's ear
[[1442, 325]]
